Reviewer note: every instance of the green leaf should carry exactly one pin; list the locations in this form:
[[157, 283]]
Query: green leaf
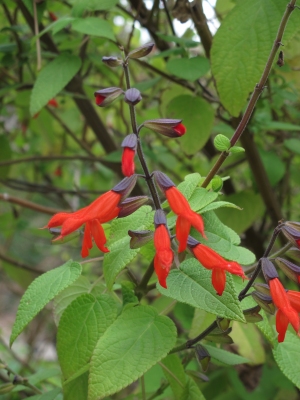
[[248, 341], [191, 284], [188, 186], [5, 155], [77, 389], [198, 117], [293, 145], [94, 5], [287, 356], [201, 198], [41, 291], [52, 79], [265, 327], [219, 204], [51, 395], [57, 25], [83, 322], [221, 142], [174, 372], [64, 298], [188, 68], [241, 48], [120, 253], [94, 26], [274, 166], [191, 391], [201, 321], [223, 240], [252, 209], [281, 126], [138, 339], [224, 356], [182, 41], [237, 149]]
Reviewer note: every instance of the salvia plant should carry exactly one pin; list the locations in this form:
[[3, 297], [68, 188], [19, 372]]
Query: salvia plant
[[164, 248]]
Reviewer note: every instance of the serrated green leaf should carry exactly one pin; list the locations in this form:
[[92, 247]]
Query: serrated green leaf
[[198, 117], [287, 356], [237, 63], [237, 149], [188, 68], [174, 372], [41, 291], [83, 322], [252, 206], [191, 284], [225, 356], [202, 319], [219, 204], [128, 293], [221, 142], [201, 198], [52, 79], [265, 327], [77, 389], [138, 339], [188, 186], [94, 26], [64, 298], [216, 183], [191, 391], [120, 253]]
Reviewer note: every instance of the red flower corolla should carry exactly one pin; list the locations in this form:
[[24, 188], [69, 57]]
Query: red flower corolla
[[164, 255], [52, 16], [212, 260], [102, 210], [294, 298], [99, 99], [128, 161], [186, 216], [286, 313], [180, 129], [53, 103]]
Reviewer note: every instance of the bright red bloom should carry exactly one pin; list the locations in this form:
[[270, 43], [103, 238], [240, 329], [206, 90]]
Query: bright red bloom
[[102, 210], [294, 298], [186, 216], [53, 103], [212, 260], [180, 129], [99, 99], [128, 166], [164, 255], [286, 313]]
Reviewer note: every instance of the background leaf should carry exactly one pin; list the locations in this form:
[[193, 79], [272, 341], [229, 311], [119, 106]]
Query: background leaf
[[188, 68], [52, 79], [41, 291], [94, 26], [224, 356], [130, 346]]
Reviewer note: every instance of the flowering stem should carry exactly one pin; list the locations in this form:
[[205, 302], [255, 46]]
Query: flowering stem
[[148, 176], [257, 270], [255, 94]]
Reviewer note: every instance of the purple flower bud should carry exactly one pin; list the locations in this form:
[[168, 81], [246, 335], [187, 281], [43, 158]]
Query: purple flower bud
[[291, 231], [130, 205], [268, 269], [125, 186], [106, 96], [168, 127], [191, 242], [141, 51], [264, 301], [163, 181], [132, 96], [291, 270], [140, 238], [130, 141], [160, 218], [112, 61]]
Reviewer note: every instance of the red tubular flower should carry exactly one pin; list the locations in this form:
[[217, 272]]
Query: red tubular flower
[[164, 255], [286, 313], [99, 99], [212, 260], [53, 103], [180, 129], [129, 146]]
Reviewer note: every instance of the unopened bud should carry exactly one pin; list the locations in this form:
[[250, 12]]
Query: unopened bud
[[252, 314], [291, 231], [262, 288], [220, 338], [268, 269], [223, 324], [264, 301], [6, 388], [130, 205], [191, 242], [130, 141], [140, 238], [168, 127], [293, 253], [112, 61], [163, 181], [291, 270], [106, 96], [141, 51], [132, 96], [125, 186], [203, 356]]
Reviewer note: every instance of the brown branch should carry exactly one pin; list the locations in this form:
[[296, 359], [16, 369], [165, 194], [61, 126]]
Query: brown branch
[[201, 26], [19, 264], [28, 204], [47, 158]]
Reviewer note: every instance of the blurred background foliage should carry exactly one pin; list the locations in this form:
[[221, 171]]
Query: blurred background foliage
[[60, 155]]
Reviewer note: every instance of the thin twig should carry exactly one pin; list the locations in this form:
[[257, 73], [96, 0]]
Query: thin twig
[[29, 204], [36, 32]]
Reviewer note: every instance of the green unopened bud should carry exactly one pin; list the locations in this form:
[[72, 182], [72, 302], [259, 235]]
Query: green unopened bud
[[140, 238], [168, 127], [251, 314], [112, 61], [141, 51], [262, 288], [203, 356], [264, 301]]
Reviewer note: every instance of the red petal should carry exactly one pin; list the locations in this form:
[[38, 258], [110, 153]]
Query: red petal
[[278, 293], [180, 129], [162, 239], [87, 243], [183, 227], [218, 278], [53, 103], [71, 224], [281, 325], [99, 236], [177, 201], [128, 161], [58, 219], [104, 208], [161, 272], [208, 257], [294, 298], [99, 99], [196, 221]]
